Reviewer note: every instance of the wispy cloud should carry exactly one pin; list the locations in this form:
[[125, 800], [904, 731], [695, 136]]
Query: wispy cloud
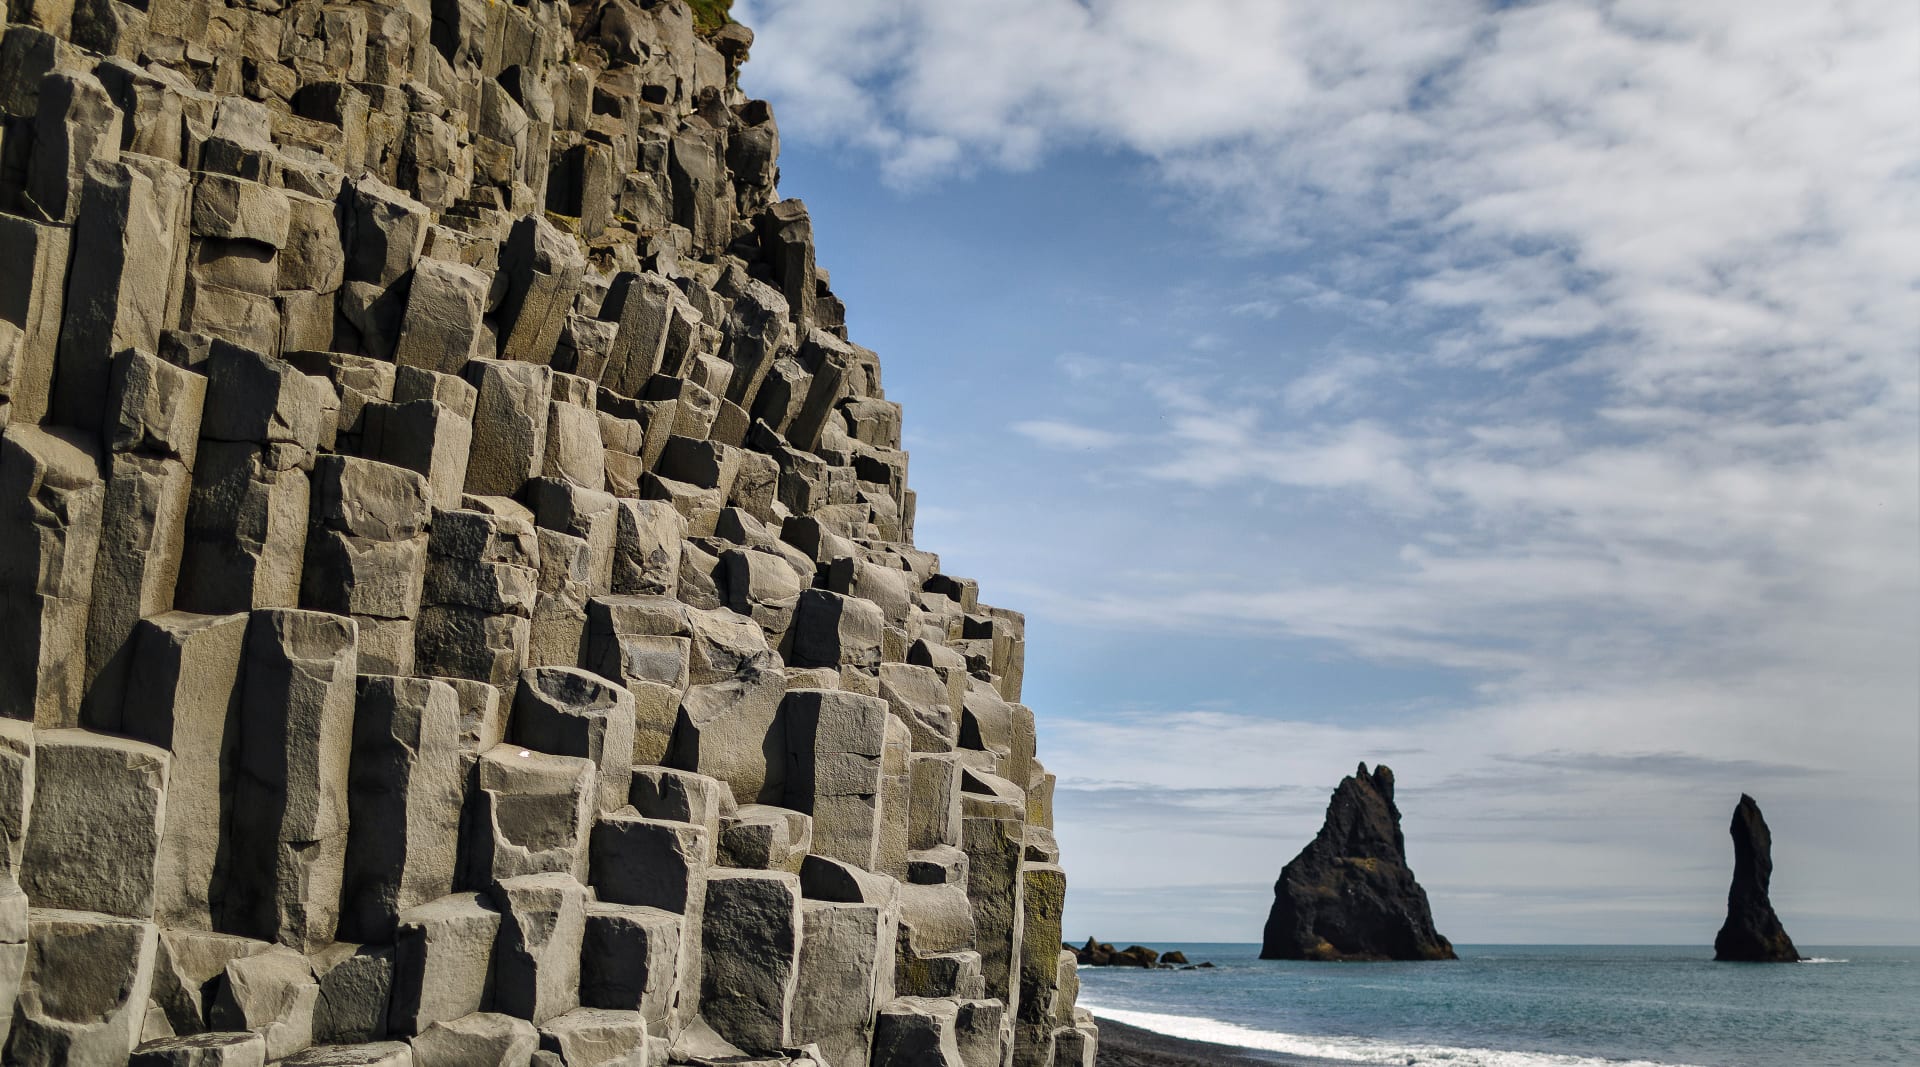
[[1621, 419], [1055, 434]]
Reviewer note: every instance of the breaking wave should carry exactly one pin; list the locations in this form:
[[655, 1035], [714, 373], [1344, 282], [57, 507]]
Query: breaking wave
[[1347, 1049]]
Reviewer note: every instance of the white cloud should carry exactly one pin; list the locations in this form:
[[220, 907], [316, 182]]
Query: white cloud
[[1648, 464], [1056, 434]]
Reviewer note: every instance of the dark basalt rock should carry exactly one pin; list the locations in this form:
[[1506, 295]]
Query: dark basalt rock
[[1349, 894], [1097, 953], [1752, 933]]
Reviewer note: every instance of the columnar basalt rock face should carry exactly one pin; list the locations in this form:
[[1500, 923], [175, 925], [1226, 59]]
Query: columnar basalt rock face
[[457, 574], [1350, 895], [1752, 932]]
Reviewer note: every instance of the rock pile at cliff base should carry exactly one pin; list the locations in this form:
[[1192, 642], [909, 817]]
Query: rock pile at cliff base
[[457, 577], [1349, 894], [1752, 932]]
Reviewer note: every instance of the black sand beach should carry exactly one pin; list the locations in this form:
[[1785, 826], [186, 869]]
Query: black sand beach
[[1129, 1046]]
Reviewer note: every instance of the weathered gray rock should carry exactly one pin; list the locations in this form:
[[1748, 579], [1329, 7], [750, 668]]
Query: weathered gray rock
[[917, 1031], [647, 548], [833, 630], [76, 124], [682, 796], [1077, 1045], [367, 555], [480, 1038], [203, 1050], [596, 1037], [630, 960], [290, 795], [540, 268], [404, 797], [384, 231], [85, 995], [247, 514], [532, 814], [442, 327], [846, 973], [979, 1034], [481, 583], [919, 696], [16, 794], [835, 742], [15, 929], [182, 694], [442, 962], [765, 837], [152, 423], [440, 457], [33, 293], [537, 954], [1042, 901], [356, 987], [509, 424], [272, 994], [571, 712], [935, 782], [51, 500], [189, 967], [992, 833], [93, 843], [750, 949], [427, 436], [378, 1054]]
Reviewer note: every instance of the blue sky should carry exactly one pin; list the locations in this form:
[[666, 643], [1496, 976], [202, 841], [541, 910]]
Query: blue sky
[[1521, 395]]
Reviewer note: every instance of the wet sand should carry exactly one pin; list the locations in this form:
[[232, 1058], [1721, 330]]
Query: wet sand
[[1129, 1046]]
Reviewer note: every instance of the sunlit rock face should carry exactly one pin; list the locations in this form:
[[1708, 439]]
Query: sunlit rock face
[[457, 574]]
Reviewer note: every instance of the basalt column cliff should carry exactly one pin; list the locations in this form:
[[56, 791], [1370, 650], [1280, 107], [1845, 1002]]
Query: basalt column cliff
[[457, 595]]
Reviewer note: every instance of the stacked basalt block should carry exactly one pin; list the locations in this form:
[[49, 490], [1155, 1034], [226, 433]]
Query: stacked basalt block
[[457, 595]]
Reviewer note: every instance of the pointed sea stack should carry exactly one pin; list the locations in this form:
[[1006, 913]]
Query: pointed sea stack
[[1349, 895], [1752, 933]]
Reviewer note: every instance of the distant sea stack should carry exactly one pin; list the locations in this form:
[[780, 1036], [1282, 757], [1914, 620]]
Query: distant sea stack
[[1349, 895], [1752, 933]]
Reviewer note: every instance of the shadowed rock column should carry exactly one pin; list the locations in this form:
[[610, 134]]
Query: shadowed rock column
[[290, 800], [751, 954], [835, 742], [182, 694], [993, 827], [152, 434], [247, 515], [51, 499], [404, 797]]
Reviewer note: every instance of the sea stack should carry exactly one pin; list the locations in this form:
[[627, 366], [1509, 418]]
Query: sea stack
[[1349, 894], [1752, 933]]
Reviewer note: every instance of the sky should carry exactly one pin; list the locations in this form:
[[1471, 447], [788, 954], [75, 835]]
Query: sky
[[1525, 395]]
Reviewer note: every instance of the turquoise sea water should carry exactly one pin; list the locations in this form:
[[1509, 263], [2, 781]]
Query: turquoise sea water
[[1537, 1006]]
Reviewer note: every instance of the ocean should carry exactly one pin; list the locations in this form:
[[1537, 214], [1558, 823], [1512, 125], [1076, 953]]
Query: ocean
[[1536, 1006]]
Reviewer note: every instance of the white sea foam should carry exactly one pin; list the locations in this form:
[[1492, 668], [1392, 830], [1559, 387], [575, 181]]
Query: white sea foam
[[1346, 1049], [1823, 959]]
